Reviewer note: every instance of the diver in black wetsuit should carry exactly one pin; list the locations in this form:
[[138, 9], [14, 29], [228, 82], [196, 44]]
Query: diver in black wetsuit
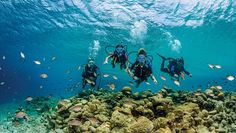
[[89, 74], [141, 69], [175, 68], [118, 56]]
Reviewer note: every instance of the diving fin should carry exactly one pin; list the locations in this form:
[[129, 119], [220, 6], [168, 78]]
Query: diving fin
[[163, 58]]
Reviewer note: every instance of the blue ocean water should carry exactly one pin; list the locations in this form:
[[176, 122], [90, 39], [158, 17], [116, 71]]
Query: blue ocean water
[[203, 32]]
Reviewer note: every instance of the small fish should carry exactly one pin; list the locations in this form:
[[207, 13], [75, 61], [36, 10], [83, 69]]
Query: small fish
[[114, 77], [38, 109], [44, 59], [197, 94], [37, 62], [90, 81], [4, 57], [147, 83], [163, 78], [211, 66], [22, 55], [0, 68], [177, 83], [43, 76], [219, 87], [79, 67], [199, 90], [68, 72], [106, 75], [29, 99], [175, 75], [40, 87], [20, 114], [131, 83], [2, 83], [183, 75], [218, 66], [112, 86], [53, 58], [211, 94], [230, 78]]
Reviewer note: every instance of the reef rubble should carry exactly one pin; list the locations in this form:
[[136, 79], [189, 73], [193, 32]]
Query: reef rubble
[[166, 111]]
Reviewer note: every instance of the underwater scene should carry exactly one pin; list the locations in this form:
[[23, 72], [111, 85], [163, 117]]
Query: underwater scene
[[117, 66]]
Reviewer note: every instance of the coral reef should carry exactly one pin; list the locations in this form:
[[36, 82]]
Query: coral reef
[[28, 116], [106, 111], [166, 111]]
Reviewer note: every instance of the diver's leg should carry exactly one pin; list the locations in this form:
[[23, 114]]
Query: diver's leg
[[138, 82], [123, 62], [163, 69], [122, 65], [84, 83], [113, 63], [95, 83], [163, 58]]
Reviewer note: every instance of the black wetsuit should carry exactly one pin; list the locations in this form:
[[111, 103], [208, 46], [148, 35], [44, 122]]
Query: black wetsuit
[[141, 72], [173, 68], [119, 58], [90, 73]]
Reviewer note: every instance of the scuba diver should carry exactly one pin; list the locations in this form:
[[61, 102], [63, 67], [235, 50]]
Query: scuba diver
[[141, 69], [89, 73], [118, 56], [175, 68]]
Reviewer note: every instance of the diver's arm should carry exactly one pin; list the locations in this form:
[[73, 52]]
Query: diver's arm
[[107, 59], [186, 72], [170, 59], [163, 66], [131, 74]]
